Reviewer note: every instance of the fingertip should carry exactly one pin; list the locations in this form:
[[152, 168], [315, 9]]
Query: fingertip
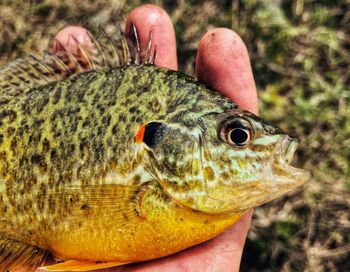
[[223, 63], [150, 18], [69, 38], [241, 227]]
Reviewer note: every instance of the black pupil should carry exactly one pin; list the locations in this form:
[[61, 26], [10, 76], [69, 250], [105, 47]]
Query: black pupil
[[238, 136]]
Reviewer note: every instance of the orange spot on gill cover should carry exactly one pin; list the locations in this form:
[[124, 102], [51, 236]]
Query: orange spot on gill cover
[[140, 133]]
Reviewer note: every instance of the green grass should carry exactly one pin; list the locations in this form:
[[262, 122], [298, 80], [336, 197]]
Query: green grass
[[300, 51]]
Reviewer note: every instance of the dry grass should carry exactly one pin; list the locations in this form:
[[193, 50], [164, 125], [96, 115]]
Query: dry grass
[[300, 52]]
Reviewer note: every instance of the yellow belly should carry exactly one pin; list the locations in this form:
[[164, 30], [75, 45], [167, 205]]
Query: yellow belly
[[160, 231]]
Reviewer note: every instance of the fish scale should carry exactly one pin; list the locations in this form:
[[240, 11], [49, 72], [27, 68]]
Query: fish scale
[[125, 163]]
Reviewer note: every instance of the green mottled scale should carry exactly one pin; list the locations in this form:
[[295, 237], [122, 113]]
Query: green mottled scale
[[90, 119]]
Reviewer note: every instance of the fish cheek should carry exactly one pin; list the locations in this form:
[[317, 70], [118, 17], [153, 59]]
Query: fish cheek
[[177, 154], [173, 157], [168, 146]]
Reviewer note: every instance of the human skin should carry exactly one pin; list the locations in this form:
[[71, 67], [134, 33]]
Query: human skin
[[222, 63]]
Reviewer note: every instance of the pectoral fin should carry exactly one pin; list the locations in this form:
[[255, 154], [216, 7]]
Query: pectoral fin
[[75, 265], [92, 203], [14, 255]]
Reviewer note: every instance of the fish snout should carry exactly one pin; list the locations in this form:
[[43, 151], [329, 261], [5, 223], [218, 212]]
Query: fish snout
[[284, 156]]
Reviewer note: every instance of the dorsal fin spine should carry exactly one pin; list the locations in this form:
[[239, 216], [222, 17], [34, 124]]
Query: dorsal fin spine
[[111, 46], [99, 49], [126, 50], [57, 61], [71, 56], [137, 43], [107, 51], [45, 67]]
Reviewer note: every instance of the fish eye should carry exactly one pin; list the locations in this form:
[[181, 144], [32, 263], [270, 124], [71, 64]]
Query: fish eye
[[237, 132]]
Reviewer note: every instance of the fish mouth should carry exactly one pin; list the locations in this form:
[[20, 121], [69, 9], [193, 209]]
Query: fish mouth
[[278, 178], [285, 157], [290, 146]]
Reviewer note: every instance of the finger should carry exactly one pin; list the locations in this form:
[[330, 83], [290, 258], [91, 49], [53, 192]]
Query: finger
[[223, 63], [229, 246], [150, 18], [70, 38]]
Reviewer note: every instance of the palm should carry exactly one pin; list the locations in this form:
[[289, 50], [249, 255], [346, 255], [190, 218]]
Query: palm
[[222, 63]]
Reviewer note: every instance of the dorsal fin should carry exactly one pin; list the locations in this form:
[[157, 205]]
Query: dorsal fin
[[23, 74], [110, 50], [15, 255], [106, 51]]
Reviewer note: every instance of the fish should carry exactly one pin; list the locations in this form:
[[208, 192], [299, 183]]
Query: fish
[[109, 159]]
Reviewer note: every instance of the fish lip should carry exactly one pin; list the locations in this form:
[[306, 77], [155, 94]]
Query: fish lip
[[288, 148]]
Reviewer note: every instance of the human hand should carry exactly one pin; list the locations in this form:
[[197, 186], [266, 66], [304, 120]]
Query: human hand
[[222, 63]]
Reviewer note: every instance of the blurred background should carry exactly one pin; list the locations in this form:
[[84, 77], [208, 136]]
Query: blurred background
[[300, 53]]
